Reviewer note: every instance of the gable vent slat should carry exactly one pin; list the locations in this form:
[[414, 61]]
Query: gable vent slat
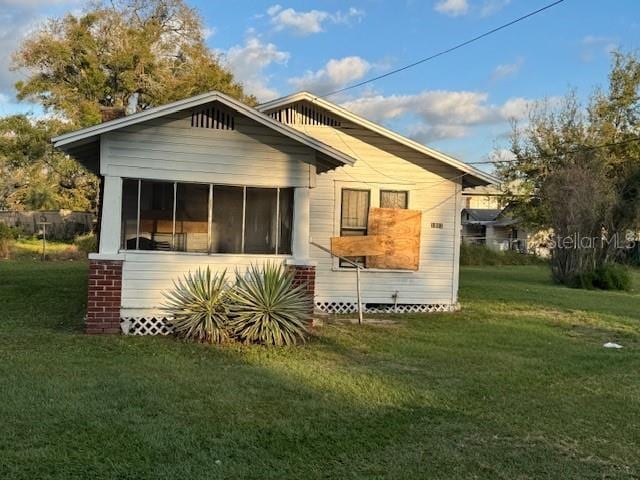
[[302, 114], [213, 118]]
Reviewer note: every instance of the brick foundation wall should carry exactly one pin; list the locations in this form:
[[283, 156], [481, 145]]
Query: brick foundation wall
[[305, 275], [105, 287]]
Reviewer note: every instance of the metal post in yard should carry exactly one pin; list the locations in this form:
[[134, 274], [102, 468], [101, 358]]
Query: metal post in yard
[[358, 294], [44, 224], [358, 267]]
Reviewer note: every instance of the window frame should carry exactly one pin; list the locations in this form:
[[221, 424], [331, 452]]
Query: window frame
[[389, 190], [210, 205], [375, 188], [342, 263]]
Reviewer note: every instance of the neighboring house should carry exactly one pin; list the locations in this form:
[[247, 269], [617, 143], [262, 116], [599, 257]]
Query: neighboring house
[[493, 228], [487, 220], [209, 181]]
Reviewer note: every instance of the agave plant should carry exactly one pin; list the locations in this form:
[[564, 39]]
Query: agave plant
[[267, 308], [199, 306]]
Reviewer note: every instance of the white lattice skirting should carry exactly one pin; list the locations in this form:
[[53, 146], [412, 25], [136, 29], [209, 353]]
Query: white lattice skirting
[[145, 326], [161, 326], [352, 307]]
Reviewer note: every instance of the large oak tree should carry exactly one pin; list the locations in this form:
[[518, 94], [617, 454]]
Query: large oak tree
[[122, 53]]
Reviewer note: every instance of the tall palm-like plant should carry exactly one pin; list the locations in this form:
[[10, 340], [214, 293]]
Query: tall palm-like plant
[[199, 306], [267, 308]]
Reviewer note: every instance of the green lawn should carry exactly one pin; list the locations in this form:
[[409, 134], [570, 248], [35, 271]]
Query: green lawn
[[517, 385]]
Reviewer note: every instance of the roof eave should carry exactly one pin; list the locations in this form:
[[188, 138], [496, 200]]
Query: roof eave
[[86, 134], [482, 177]]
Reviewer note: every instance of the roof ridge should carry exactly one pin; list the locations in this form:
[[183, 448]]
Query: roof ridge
[[339, 110]]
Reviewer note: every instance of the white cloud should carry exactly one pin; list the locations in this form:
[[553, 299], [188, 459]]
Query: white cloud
[[453, 8], [428, 133], [334, 75], [493, 6], [310, 22], [439, 114], [208, 32], [515, 108], [25, 4], [249, 61], [501, 155], [593, 45], [18, 18], [507, 69]]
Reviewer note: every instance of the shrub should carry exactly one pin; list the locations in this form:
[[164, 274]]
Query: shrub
[[267, 308], [87, 243], [8, 236], [199, 307], [480, 255], [608, 277]]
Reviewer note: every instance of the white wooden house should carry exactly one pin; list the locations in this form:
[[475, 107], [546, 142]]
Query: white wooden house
[[209, 181]]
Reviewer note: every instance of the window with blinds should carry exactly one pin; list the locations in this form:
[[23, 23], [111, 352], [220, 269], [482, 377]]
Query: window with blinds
[[394, 199], [354, 215]]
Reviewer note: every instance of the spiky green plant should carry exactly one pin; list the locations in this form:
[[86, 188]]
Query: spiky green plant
[[199, 306], [267, 308]]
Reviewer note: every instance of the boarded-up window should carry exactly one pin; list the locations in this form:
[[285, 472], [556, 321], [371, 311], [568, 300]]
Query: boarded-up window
[[192, 217], [354, 216], [156, 215], [226, 230], [394, 199]]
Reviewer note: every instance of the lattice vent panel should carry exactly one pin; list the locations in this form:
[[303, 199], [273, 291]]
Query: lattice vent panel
[[145, 326], [351, 307]]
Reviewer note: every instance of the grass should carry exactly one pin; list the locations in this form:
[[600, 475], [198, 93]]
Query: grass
[[481, 255], [30, 248], [516, 385]]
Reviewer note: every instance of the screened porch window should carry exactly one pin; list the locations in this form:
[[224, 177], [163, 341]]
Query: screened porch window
[[155, 230], [205, 218], [354, 215]]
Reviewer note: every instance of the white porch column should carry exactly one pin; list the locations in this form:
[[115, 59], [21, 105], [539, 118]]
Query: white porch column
[[301, 218], [111, 210]]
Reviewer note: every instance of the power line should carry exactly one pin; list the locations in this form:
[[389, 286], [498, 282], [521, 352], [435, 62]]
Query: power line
[[576, 150], [443, 52]]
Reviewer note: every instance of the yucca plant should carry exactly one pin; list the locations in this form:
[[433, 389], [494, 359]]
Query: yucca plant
[[199, 306], [267, 308]]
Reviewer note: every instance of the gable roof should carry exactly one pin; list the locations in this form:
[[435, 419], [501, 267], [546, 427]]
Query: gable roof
[[483, 214], [477, 177], [82, 140]]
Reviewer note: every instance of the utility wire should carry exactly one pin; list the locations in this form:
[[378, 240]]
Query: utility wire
[[575, 150], [443, 52]]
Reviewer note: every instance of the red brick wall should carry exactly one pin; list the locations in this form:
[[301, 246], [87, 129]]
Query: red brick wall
[[305, 275], [103, 307]]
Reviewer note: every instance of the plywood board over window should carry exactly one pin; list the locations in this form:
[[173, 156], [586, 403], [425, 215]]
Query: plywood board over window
[[401, 229], [367, 245]]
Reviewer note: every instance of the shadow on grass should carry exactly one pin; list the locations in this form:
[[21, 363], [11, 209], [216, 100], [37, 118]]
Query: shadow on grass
[[432, 397]]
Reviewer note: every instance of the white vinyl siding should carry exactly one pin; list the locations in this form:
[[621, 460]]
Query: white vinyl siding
[[383, 164], [170, 149], [146, 275]]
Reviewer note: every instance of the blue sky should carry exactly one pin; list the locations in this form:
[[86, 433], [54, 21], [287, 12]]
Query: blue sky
[[459, 103]]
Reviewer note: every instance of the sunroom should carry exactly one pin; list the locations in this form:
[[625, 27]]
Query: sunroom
[[181, 189]]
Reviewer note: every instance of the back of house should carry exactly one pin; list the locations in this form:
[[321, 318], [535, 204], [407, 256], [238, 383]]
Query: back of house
[[211, 182]]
